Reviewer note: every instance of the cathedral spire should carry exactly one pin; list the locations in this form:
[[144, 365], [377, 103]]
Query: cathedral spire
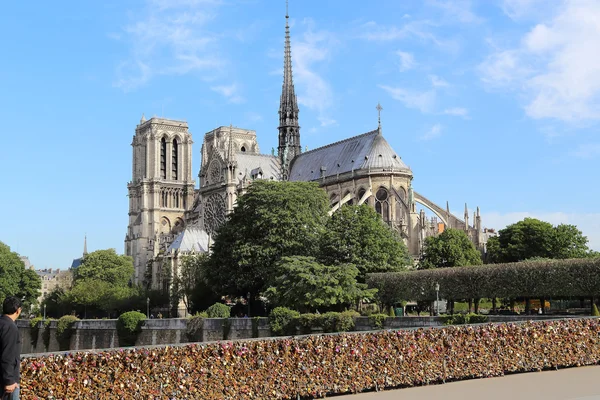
[[289, 130], [85, 246]]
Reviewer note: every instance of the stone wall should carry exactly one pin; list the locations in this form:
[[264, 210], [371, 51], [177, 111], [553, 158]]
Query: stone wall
[[102, 334]]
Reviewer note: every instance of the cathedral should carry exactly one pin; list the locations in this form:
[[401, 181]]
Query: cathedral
[[169, 216]]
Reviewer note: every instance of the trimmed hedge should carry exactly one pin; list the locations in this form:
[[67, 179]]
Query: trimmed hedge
[[129, 326], [541, 278], [218, 310], [461, 319], [283, 321]]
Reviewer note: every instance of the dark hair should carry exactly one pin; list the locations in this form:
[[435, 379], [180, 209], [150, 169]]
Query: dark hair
[[11, 305]]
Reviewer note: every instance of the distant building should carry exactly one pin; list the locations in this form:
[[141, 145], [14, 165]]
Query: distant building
[[28, 264], [53, 278], [77, 261]]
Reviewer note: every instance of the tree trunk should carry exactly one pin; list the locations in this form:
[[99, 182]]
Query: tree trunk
[[470, 305], [581, 302], [494, 310], [543, 304], [476, 306], [527, 305], [451, 306], [512, 305], [592, 302]]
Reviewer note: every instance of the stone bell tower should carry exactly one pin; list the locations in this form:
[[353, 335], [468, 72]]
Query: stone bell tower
[[161, 188]]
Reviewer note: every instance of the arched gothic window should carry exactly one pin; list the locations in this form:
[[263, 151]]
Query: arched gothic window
[[361, 193], [174, 160], [163, 158], [382, 205]]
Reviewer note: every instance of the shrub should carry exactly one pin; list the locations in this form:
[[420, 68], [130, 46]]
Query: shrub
[[330, 321], [283, 321], [338, 322], [195, 323], [129, 325], [218, 310], [477, 319], [377, 320], [308, 322], [595, 312], [64, 330], [461, 319], [346, 321], [33, 323]]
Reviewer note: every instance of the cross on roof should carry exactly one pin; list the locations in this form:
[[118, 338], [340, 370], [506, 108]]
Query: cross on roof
[[379, 108]]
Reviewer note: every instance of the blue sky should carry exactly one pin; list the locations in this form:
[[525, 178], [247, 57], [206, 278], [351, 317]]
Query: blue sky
[[492, 103]]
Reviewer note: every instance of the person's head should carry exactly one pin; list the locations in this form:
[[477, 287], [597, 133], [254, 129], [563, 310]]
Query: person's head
[[11, 306]]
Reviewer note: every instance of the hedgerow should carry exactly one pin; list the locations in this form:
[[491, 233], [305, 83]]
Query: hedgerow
[[534, 279]]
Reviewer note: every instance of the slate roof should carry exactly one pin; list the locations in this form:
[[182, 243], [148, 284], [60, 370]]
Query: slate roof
[[268, 164], [367, 151], [191, 239], [76, 262]]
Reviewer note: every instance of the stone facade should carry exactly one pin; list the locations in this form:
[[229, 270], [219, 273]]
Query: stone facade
[[53, 278], [161, 189]]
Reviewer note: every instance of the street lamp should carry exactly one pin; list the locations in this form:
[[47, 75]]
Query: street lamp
[[248, 297], [147, 307], [437, 298]]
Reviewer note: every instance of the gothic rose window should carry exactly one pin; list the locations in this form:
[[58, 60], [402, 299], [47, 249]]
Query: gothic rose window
[[214, 212]]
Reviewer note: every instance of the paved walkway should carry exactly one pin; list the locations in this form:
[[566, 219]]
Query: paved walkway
[[565, 384]]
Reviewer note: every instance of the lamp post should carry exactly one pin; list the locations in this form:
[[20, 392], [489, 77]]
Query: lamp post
[[147, 307], [248, 297], [437, 299]]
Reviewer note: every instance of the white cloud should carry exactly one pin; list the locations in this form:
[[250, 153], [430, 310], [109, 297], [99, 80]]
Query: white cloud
[[457, 112], [421, 30], [434, 132], [457, 10], [169, 37], [325, 122], [231, 92], [312, 49], [588, 223], [518, 9], [407, 60], [422, 101], [587, 151], [436, 81], [556, 67]]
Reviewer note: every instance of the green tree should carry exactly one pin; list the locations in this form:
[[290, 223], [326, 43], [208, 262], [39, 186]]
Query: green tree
[[272, 220], [106, 266], [357, 235], [303, 283], [88, 293], [569, 242], [190, 284], [451, 248], [57, 303], [15, 280], [532, 238]]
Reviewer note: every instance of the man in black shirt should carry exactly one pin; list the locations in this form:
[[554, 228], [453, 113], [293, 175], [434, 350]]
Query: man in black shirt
[[10, 349]]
